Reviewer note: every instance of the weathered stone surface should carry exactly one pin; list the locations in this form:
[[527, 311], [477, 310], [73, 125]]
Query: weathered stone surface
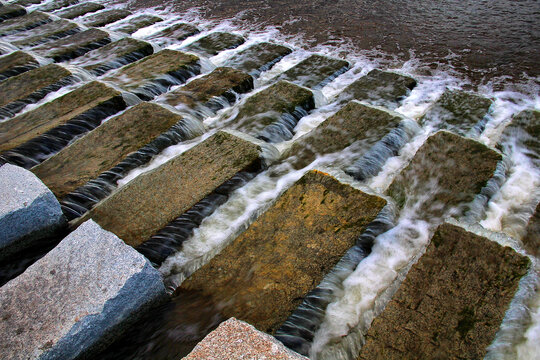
[[448, 167], [451, 303], [262, 276], [16, 63], [258, 57], [73, 46], [524, 131], [28, 210], [457, 111], [79, 10], [22, 23], [105, 17], [382, 88], [140, 77], [172, 188], [27, 2], [77, 298], [104, 147], [24, 127], [48, 32], [129, 26], [235, 339], [9, 11], [114, 55], [531, 241], [354, 122], [315, 71], [57, 4], [174, 33], [214, 43]]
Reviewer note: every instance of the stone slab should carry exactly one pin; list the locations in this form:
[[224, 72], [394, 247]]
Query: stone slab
[[450, 168], [531, 240], [173, 187], [10, 11], [77, 298], [23, 23], [74, 104], [44, 33], [174, 34], [524, 131], [236, 339], [28, 2], [28, 211], [452, 301], [114, 55], [129, 26], [75, 11], [315, 71], [16, 63], [262, 276], [73, 46], [214, 43], [258, 58], [381, 88], [57, 4], [105, 17]]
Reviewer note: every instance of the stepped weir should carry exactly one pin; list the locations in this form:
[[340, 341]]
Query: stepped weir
[[172, 188]]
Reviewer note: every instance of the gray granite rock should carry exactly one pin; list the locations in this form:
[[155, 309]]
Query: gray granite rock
[[76, 299]]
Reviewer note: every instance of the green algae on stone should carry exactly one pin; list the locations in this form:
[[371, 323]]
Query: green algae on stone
[[129, 26], [10, 11], [258, 57], [16, 63], [315, 71], [73, 46], [214, 43], [78, 10], [171, 34], [23, 23], [105, 17], [48, 32]]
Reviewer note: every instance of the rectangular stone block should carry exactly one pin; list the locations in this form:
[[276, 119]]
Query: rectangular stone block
[[16, 63], [173, 187], [524, 130], [466, 283], [57, 4], [28, 2], [315, 71], [23, 23], [215, 43], [85, 293], [9, 11], [39, 35], [75, 11], [262, 276], [258, 58], [531, 241], [105, 17], [173, 34], [129, 26]]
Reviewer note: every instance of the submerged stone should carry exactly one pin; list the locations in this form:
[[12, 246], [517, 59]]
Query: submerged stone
[[16, 63], [9, 11], [105, 17], [56, 4], [214, 43], [315, 71], [382, 88], [133, 24], [173, 34], [23, 23], [524, 131], [48, 32], [173, 188], [78, 10], [258, 58], [531, 241], [262, 276], [91, 287], [452, 301], [73, 46]]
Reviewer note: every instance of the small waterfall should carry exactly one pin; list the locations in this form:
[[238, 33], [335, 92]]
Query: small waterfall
[[81, 50], [27, 27], [162, 84], [16, 70], [283, 129]]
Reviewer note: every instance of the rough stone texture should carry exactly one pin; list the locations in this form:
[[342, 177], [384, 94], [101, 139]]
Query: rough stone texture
[[235, 339], [22, 23], [79, 10], [214, 43], [57, 4], [354, 122], [258, 57], [133, 24], [103, 18], [524, 131], [27, 2], [16, 63], [448, 167], [28, 210], [531, 240], [24, 127], [457, 111], [315, 71], [77, 298], [10, 11], [452, 302], [104, 147], [262, 276], [73, 46], [173, 34], [48, 32], [380, 88], [173, 188]]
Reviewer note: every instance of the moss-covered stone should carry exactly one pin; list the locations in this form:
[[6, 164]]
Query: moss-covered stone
[[16, 63], [9, 11], [25, 22], [531, 240], [452, 302], [262, 276], [26, 126], [79, 10], [258, 57], [48, 32], [214, 43], [524, 130], [458, 111], [174, 33], [172, 188], [57, 4], [447, 171], [73, 46], [133, 24], [28, 2], [103, 18], [382, 88], [315, 71]]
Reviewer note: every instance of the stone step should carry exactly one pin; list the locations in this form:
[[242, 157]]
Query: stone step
[[28, 2], [153, 75], [73, 46], [452, 302], [524, 130], [23, 23], [458, 111], [114, 55], [382, 88], [214, 43], [272, 114], [75, 11], [173, 188], [105, 17], [10, 11], [173, 34], [91, 288], [30, 87], [531, 240], [84, 108], [16, 63], [129, 26], [315, 71], [258, 58], [450, 168], [44, 33], [263, 274], [57, 4]]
